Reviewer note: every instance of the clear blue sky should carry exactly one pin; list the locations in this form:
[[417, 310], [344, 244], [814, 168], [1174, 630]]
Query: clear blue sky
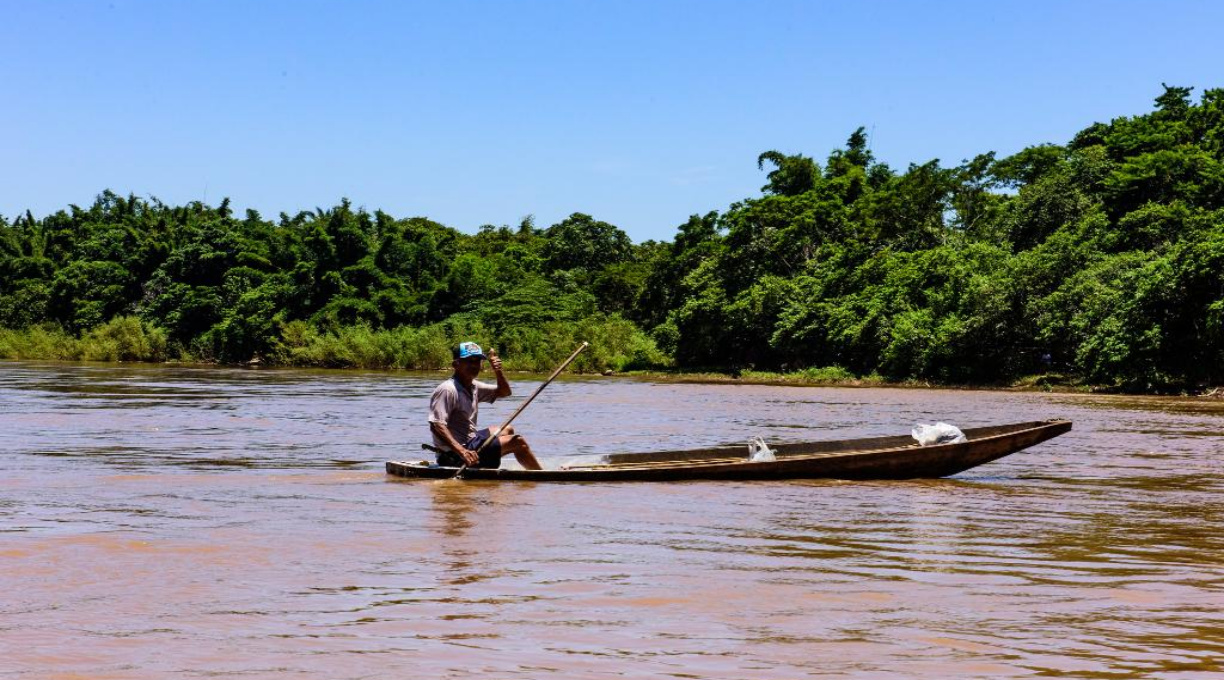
[[639, 113]]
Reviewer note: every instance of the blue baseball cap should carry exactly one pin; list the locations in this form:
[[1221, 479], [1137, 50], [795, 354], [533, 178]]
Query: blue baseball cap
[[467, 350]]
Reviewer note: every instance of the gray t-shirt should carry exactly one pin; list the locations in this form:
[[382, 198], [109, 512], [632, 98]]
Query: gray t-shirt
[[456, 407]]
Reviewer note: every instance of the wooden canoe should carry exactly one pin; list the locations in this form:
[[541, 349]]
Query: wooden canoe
[[898, 457]]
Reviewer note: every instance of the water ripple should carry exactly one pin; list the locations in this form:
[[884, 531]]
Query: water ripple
[[176, 521]]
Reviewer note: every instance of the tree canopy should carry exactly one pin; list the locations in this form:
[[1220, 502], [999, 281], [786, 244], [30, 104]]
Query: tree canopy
[[1101, 259]]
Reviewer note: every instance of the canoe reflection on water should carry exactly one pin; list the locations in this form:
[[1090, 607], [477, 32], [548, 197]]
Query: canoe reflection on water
[[898, 457]]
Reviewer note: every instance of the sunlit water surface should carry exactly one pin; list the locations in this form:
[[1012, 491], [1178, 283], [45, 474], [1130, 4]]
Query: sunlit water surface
[[159, 521]]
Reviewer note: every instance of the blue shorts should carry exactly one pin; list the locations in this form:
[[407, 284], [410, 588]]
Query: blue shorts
[[489, 458]]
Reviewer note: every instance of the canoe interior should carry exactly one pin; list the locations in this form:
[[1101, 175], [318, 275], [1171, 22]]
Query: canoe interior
[[804, 448], [895, 457]]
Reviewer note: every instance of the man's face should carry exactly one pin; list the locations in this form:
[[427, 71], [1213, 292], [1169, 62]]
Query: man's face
[[468, 368]]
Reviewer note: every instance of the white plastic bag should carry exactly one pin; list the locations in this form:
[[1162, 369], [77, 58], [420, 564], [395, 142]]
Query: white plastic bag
[[759, 452], [939, 433]]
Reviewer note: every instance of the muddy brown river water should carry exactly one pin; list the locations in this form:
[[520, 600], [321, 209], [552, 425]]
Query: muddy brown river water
[[183, 522]]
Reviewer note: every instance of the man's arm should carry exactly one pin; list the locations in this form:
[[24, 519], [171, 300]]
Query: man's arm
[[443, 432], [503, 385], [441, 403]]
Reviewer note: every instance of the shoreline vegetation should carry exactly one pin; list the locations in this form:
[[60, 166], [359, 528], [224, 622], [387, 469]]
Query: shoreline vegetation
[[1097, 264], [127, 340], [617, 346]]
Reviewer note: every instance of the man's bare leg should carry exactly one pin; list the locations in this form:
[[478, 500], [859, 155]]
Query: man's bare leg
[[522, 452]]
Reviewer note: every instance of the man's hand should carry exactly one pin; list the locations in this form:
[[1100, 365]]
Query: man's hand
[[503, 386], [469, 456]]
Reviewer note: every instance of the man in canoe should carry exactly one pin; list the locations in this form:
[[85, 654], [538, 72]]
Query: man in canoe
[[453, 409]]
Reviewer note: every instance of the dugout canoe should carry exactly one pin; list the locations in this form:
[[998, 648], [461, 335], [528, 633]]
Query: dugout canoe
[[897, 457]]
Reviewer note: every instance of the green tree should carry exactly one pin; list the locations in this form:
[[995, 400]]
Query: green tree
[[582, 242]]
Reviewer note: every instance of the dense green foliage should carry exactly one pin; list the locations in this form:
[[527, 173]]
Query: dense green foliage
[[1100, 260], [135, 279]]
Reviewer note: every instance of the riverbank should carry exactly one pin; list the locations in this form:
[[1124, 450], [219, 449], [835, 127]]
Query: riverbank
[[812, 377], [839, 377], [617, 349], [618, 352], [615, 345]]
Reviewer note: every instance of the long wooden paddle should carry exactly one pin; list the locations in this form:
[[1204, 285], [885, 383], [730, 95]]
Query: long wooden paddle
[[526, 403]]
